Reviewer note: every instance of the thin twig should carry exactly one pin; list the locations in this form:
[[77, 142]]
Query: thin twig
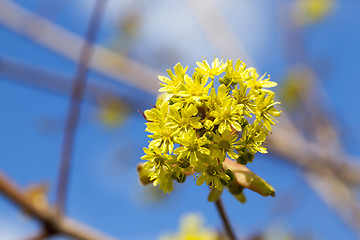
[[338, 196], [47, 216], [225, 220], [65, 43], [60, 83], [76, 97]]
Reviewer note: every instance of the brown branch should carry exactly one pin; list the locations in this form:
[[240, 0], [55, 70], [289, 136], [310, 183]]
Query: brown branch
[[59, 83], [43, 234], [76, 97], [337, 195], [67, 44], [311, 155], [48, 217], [225, 220], [329, 178]]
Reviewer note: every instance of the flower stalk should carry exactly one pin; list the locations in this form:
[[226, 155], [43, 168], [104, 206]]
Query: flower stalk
[[225, 220]]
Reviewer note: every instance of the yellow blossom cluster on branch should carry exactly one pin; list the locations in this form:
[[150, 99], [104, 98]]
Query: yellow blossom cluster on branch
[[203, 122]]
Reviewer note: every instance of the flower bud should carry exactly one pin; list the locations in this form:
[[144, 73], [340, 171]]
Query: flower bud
[[181, 177], [183, 162]]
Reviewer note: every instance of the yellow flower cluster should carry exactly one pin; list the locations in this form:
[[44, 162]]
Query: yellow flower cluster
[[200, 124]]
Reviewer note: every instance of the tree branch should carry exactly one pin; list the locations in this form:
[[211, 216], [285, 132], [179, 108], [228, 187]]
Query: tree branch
[[77, 93], [60, 83], [43, 234], [51, 221], [67, 44], [225, 220], [337, 195]]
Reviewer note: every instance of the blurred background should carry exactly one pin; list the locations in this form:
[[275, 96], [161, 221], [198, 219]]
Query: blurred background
[[310, 47]]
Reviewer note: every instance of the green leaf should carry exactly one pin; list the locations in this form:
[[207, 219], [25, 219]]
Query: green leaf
[[214, 195]]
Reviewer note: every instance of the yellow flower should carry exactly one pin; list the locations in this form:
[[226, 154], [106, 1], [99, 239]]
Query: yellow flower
[[217, 67], [174, 83], [192, 228], [194, 129]]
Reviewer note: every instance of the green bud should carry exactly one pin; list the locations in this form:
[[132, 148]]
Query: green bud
[[143, 174], [183, 162], [242, 160], [179, 177], [250, 156], [245, 158], [214, 195]]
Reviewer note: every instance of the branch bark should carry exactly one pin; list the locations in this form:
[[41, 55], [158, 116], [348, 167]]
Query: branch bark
[[77, 94], [67, 44], [60, 83], [225, 220], [52, 222]]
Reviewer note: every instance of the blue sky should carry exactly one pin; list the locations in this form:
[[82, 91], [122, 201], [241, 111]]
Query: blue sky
[[104, 190]]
